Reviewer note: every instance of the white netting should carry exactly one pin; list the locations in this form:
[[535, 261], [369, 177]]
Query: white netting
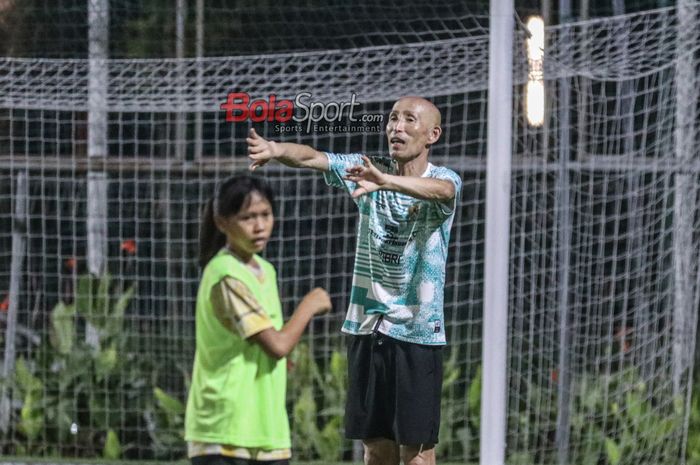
[[434, 68], [447, 67], [604, 259], [605, 246]]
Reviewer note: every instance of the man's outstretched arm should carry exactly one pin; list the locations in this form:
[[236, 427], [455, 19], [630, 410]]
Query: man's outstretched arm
[[261, 150], [370, 179], [421, 188]]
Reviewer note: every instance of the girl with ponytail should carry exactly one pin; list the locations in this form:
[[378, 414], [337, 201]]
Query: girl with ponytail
[[236, 409]]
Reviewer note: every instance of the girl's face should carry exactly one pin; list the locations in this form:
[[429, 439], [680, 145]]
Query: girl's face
[[248, 231]]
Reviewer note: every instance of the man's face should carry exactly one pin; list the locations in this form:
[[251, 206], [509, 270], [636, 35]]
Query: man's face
[[413, 126]]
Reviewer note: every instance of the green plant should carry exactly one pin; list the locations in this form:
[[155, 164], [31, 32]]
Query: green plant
[[610, 415], [317, 419], [85, 381], [614, 413], [531, 423], [169, 414], [693, 448], [455, 433]]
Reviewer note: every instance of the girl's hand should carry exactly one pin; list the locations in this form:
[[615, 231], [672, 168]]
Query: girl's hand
[[318, 301]]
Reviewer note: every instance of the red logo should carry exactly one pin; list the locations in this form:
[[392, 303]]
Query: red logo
[[239, 108]]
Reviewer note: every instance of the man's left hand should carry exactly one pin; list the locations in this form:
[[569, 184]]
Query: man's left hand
[[367, 177]]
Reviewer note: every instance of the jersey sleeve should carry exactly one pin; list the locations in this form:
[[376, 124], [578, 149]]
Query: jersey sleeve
[[447, 208], [237, 309], [337, 165]]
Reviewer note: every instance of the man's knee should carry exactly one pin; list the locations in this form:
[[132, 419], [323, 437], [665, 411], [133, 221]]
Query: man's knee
[[381, 452], [422, 454]]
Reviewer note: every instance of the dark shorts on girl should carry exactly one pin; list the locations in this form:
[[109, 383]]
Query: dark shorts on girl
[[223, 460]]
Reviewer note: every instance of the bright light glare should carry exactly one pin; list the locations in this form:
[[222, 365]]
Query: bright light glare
[[535, 43], [534, 100], [534, 92]]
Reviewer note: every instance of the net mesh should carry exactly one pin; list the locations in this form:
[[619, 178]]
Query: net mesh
[[603, 256]]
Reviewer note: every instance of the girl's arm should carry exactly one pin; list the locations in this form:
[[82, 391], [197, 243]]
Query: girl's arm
[[278, 344]]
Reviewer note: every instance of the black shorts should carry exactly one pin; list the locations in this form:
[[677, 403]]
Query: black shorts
[[394, 390], [222, 460]]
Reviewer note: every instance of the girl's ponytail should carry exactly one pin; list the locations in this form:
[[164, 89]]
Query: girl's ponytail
[[210, 238]]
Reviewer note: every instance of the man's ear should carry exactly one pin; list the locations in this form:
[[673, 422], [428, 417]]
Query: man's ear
[[434, 135]]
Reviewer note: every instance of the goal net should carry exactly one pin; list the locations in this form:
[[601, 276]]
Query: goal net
[[106, 161]]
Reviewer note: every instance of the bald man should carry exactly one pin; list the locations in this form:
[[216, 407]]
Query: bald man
[[395, 319]]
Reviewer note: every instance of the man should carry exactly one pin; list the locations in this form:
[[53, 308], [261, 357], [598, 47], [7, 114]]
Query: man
[[395, 317]]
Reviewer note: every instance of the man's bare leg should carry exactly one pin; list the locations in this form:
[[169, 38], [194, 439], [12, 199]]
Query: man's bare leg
[[422, 454], [381, 451]]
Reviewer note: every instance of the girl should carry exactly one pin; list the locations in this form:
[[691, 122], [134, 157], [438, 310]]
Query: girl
[[236, 410]]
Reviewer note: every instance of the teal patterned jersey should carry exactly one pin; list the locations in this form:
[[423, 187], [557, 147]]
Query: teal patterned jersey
[[400, 257]]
